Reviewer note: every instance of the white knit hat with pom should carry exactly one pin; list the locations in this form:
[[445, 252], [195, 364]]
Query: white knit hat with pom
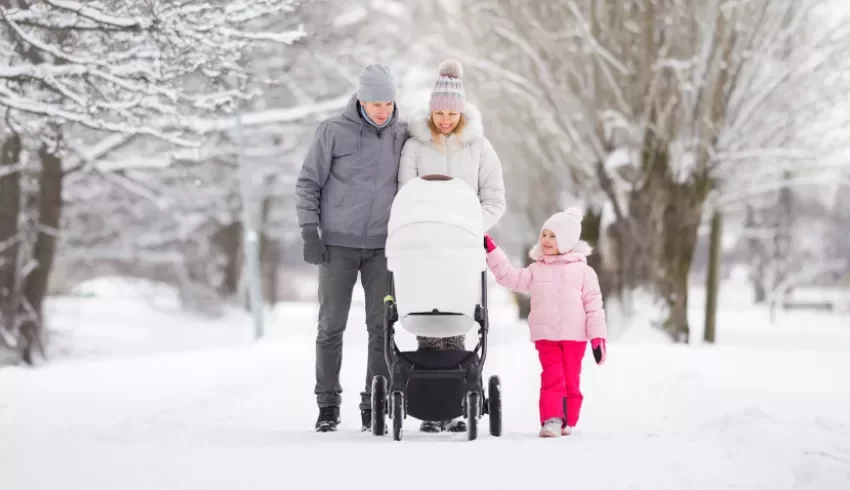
[[448, 93], [566, 226]]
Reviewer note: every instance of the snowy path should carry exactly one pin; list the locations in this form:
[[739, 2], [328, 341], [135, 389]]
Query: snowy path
[[241, 415]]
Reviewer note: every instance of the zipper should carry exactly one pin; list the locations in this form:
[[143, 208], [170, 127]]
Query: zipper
[[448, 156], [560, 282], [376, 169]]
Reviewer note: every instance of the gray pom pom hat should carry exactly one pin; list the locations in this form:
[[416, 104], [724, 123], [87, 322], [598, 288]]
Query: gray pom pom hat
[[448, 93]]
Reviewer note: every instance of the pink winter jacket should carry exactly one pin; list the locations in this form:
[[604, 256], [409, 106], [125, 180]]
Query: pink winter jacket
[[566, 302]]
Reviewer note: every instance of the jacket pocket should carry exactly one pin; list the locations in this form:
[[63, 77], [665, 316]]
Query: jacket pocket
[[381, 209], [333, 208]]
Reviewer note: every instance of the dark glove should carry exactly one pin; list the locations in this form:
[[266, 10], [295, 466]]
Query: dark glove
[[600, 350], [314, 248], [489, 244]]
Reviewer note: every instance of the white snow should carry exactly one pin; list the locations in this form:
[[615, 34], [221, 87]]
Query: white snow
[[149, 398], [350, 16], [608, 216], [617, 164], [683, 162], [616, 159], [390, 7], [286, 37], [156, 161], [270, 116], [89, 12]]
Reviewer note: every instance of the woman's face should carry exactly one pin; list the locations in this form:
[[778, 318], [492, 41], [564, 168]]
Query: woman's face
[[445, 121], [548, 243]]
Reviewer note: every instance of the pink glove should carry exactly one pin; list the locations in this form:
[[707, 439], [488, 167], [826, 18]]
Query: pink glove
[[600, 351], [489, 244]]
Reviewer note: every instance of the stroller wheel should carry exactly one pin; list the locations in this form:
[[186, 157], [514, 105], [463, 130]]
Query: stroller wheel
[[379, 405], [398, 414], [494, 405], [473, 413]]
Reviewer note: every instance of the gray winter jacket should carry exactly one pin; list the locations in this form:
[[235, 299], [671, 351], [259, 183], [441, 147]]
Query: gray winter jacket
[[349, 179]]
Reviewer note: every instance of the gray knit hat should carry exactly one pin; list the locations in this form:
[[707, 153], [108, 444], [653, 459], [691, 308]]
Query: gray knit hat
[[377, 84], [448, 93]]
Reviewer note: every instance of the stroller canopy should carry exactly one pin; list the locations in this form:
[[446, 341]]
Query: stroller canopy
[[448, 208], [435, 250]]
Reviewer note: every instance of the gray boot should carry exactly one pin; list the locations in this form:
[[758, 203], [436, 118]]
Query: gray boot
[[431, 426], [456, 425]]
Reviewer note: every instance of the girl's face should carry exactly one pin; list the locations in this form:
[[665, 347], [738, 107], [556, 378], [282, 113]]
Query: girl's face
[[548, 243], [445, 121]]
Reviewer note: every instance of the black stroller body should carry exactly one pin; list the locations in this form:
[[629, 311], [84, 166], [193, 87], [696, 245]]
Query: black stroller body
[[438, 268]]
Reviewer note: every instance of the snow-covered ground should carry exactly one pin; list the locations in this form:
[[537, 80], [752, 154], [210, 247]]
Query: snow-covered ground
[[148, 398]]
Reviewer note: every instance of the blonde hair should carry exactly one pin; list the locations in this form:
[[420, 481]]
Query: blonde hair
[[435, 131]]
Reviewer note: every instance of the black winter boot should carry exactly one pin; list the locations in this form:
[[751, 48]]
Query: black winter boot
[[328, 419]]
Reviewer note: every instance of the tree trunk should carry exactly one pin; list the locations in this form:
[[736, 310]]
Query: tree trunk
[[638, 261], [44, 253], [49, 215], [756, 255], [10, 209], [677, 211], [229, 240], [713, 280], [681, 224], [591, 232], [759, 292], [269, 254], [682, 199], [783, 240]]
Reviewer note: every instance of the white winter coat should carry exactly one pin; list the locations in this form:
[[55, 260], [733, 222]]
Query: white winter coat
[[469, 157]]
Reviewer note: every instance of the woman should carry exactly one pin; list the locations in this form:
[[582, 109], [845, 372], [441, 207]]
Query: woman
[[449, 139]]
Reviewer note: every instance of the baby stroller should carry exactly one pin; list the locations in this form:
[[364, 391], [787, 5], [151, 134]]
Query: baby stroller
[[437, 288]]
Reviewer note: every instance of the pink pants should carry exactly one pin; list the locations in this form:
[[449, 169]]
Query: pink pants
[[560, 379]]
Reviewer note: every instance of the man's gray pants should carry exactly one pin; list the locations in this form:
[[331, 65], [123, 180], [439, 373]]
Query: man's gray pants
[[337, 277]]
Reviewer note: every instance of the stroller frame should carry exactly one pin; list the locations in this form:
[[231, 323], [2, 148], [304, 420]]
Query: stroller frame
[[461, 370]]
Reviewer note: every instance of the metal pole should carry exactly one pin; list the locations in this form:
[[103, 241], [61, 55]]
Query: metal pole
[[251, 238]]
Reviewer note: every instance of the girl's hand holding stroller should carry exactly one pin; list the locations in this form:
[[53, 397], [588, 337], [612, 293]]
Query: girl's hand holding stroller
[[489, 244]]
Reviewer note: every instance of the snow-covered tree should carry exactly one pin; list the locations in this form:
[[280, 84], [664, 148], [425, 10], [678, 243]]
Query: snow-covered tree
[[70, 72], [688, 90], [189, 200]]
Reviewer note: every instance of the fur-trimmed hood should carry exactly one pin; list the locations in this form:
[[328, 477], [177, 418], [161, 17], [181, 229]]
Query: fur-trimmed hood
[[578, 253], [474, 130]]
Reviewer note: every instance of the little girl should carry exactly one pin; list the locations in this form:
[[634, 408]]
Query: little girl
[[566, 312]]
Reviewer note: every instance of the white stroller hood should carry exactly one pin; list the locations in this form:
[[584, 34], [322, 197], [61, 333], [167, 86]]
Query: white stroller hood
[[435, 250]]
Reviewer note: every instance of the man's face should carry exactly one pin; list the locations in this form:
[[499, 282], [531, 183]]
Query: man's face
[[378, 112]]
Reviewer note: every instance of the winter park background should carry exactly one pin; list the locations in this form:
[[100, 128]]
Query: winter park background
[[148, 151]]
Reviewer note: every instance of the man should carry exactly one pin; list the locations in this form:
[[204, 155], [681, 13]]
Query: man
[[344, 192]]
